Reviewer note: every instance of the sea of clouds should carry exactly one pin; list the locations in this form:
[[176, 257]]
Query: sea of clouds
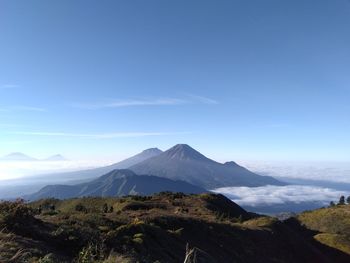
[[328, 171], [275, 195]]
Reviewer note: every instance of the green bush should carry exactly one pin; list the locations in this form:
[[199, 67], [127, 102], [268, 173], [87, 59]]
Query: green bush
[[16, 213]]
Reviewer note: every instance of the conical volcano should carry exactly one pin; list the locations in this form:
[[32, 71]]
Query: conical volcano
[[182, 162]]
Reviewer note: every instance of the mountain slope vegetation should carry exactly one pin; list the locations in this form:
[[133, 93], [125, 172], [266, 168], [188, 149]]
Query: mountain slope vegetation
[[331, 226], [152, 229]]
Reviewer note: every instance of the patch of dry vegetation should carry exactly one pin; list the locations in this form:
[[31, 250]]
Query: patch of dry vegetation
[[332, 225], [144, 229]]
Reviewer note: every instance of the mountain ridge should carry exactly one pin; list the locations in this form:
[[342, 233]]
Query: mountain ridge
[[116, 183], [182, 162], [89, 174]]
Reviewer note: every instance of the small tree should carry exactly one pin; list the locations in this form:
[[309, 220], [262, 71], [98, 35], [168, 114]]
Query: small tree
[[341, 200], [105, 208], [348, 200], [111, 209], [331, 204]]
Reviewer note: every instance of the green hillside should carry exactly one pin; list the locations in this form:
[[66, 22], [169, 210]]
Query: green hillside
[[332, 225], [152, 229]]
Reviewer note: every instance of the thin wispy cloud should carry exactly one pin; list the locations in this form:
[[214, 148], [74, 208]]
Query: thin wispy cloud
[[131, 103], [99, 135], [8, 86], [202, 99], [21, 108], [190, 99]]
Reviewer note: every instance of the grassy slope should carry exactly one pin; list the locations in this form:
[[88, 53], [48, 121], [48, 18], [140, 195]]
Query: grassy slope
[[154, 228], [332, 225]]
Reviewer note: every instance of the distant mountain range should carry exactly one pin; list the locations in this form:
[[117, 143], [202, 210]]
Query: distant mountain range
[[117, 183], [182, 162], [17, 156], [181, 168]]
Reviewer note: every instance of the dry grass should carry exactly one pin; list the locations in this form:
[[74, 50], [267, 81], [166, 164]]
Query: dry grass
[[116, 258], [339, 242], [260, 222], [9, 251], [155, 228], [333, 225]]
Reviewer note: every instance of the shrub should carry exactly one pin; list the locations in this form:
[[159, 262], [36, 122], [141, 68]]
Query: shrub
[[171, 195], [144, 206], [80, 208], [88, 254], [341, 200], [105, 208], [15, 213], [50, 213]]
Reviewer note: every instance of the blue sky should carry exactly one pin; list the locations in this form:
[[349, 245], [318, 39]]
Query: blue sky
[[258, 80]]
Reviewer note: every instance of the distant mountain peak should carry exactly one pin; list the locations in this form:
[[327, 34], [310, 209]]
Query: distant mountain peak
[[56, 157], [17, 156], [152, 150], [182, 162], [184, 152], [231, 163]]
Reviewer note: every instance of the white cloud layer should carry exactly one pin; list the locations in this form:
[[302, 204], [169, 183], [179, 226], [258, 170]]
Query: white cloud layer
[[272, 195], [328, 171]]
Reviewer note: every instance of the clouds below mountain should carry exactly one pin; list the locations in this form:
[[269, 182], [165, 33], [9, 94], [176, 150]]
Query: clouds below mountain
[[273, 195], [329, 171], [21, 169]]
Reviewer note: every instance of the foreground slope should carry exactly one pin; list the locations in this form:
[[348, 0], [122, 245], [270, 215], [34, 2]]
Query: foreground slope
[[152, 229], [117, 183], [182, 162], [331, 226]]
